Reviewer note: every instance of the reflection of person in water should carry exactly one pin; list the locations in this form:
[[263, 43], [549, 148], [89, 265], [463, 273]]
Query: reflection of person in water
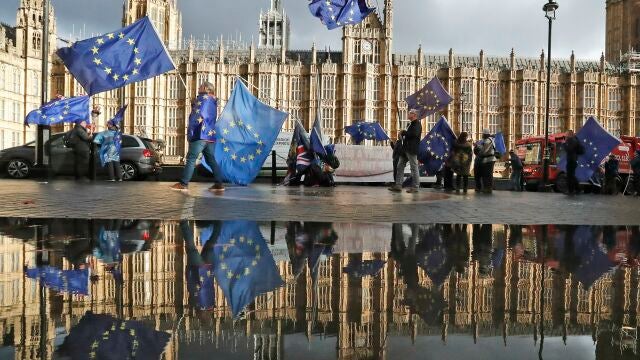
[[457, 243], [200, 264], [308, 241], [482, 248], [427, 303]]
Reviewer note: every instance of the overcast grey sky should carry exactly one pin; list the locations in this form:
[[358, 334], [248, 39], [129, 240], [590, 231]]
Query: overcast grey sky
[[464, 25]]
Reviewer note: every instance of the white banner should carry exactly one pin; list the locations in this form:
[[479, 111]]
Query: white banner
[[360, 163]]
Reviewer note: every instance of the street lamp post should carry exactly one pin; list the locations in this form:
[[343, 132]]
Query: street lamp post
[[550, 13], [43, 131]]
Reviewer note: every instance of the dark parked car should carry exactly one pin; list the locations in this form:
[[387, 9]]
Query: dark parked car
[[138, 158]]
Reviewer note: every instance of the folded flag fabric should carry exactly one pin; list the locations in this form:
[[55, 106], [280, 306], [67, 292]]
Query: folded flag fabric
[[113, 60], [317, 140], [68, 281], [337, 13], [63, 110], [500, 145]]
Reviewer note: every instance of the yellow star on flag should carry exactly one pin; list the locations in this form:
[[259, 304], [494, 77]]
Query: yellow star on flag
[[100, 41], [121, 36], [110, 36], [131, 41], [234, 157], [94, 50]]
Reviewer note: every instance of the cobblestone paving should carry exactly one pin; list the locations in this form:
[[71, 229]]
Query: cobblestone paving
[[154, 200]]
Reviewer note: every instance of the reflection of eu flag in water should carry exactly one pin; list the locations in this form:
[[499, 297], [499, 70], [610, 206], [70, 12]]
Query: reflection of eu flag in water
[[63, 110], [336, 13], [202, 120], [597, 144], [361, 131], [364, 268], [122, 57], [593, 261], [430, 99], [200, 286], [101, 336], [246, 132], [244, 266], [435, 148], [68, 281]]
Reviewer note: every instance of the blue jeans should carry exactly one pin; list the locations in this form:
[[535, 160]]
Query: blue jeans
[[195, 149]]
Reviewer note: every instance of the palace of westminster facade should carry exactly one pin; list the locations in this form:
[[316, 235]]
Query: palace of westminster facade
[[366, 80]]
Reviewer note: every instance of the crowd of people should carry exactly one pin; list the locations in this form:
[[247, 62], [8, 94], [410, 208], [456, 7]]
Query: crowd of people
[[483, 154]]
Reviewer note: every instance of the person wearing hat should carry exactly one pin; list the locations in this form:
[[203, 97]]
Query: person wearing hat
[[110, 142], [410, 145], [485, 151]]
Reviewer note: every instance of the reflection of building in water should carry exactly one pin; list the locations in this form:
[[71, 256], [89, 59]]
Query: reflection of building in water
[[509, 298]]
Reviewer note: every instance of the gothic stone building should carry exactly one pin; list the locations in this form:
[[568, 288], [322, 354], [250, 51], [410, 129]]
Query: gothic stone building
[[366, 80]]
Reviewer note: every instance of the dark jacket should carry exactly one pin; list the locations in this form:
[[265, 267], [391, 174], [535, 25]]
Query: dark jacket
[[611, 168], [411, 141], [398, 150], [516, 163], [635, 164], [81, 139], [573, 148]]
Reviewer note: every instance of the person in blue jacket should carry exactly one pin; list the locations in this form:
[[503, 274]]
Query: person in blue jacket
[[111, 142]]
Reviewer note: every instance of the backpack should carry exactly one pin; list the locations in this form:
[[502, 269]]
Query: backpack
[[68, 139]]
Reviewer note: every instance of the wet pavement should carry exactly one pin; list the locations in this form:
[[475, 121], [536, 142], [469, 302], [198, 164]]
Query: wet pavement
[[80, 289], [154, 200]]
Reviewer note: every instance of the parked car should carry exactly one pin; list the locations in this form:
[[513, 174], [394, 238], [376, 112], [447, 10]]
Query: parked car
[[138, 158]]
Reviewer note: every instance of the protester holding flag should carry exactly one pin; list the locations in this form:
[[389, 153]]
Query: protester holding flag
[[611, 173], [201, 135], [80, 140], [410, 145], [573, 149], [487, 159], [111, 143], [461, 156]]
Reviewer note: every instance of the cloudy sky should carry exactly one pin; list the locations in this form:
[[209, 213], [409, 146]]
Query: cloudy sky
[[464, 25]]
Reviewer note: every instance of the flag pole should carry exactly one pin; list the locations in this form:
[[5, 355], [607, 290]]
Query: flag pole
[[255, 87], [44, 131]]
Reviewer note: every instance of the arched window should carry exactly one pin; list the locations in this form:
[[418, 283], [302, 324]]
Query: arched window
[[37, 41]]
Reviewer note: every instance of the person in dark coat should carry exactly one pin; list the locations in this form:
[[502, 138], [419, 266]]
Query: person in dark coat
[[398, 151], [460, 161], [516, 171], [611, 172], [81, 140], [411, 143], [573, 148], [635, 168]]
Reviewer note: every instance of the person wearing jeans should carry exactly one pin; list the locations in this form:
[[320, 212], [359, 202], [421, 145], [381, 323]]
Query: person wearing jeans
[[201, 135], [411, 142]]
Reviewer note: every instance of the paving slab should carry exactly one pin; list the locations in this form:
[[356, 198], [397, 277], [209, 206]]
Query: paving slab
[[154, 200]]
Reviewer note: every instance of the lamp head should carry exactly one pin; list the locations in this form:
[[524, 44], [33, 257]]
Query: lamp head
[[550, 9]]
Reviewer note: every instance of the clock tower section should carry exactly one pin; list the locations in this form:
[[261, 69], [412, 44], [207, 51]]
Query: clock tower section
[[369, 41]]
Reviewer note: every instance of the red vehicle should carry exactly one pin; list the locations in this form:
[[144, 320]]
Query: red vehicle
[[531, 151]]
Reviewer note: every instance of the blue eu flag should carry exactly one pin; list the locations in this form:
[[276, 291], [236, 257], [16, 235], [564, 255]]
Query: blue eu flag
[[593, 260], [435, 148], [122, 57], [500, 145], [245, 134], [68, 281], [337, 13], [63, 110], [200, 286], [317, 141], [243, 265], [202, 120], [597, 144], [364, 268], [361, 131], [430, 99], [102, 336]]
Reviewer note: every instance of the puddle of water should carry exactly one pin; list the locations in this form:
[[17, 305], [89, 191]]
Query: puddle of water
[[274, 290]]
